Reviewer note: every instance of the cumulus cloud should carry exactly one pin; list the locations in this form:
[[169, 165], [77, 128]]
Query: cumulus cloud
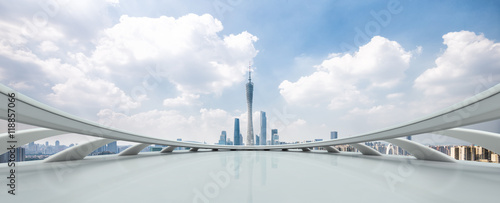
[[20, 85], [188, 51], [48, 46], [183, 100], [342, 79], [87, 93], [191, 54], [469, 64]]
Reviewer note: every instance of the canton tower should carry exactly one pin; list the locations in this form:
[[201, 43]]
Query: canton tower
[[250, 140]]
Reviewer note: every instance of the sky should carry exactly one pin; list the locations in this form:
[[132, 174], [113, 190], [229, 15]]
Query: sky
[[177, 69]]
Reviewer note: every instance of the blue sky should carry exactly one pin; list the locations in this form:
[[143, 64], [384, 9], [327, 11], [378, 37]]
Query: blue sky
[[177, 69]]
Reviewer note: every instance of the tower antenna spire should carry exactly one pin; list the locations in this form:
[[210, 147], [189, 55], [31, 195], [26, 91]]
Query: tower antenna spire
[[249, 72]]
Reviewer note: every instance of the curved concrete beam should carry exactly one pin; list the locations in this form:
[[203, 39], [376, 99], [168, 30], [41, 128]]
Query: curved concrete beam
[[23, 137], [479, 108], [133, 150], [365, 150], [331, 149], [79, 151], [420, 151], [488, 140], [168, 149]]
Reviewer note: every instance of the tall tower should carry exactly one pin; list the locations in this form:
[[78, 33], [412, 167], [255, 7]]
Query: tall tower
[[250, 139], [263, 128]]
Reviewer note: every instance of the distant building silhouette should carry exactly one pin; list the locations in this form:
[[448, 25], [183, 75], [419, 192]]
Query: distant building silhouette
[[237, 135], [112, 147], [275, 140], [263, 128], [222, 139], [20, 155], [333, 135]]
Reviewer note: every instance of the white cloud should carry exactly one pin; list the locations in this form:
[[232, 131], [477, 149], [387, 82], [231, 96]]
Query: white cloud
[[87, 93], [191, 54], [468, 65], [113, 2], [183, 100], [344, 80], [394, 95], [20, 85], [48, 46]]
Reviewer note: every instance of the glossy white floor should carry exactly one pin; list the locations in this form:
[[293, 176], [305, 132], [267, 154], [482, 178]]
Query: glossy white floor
[[253, 176]]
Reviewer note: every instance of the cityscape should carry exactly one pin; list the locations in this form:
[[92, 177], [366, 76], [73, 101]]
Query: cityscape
[[33, 151]]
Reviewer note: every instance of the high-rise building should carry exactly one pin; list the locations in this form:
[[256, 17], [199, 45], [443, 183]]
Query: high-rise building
[[57, 143], [229, 142], [263, 128], [237, 134], [408, 137], [241, 139], [257, 140], [274, 137], [112, 147], [333, 135], [47, 143], [20, 155], [222, 139], [250, 138]]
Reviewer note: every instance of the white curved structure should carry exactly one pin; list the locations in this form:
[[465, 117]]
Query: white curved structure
[[168, 149], [35, 113], [331, 149], [79, 151], [133, 150], [403, 179], [420, 151], [26, 136], [365, 150], [484, 139]]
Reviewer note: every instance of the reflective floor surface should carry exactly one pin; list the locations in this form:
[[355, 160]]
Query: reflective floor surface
[[252, 176]]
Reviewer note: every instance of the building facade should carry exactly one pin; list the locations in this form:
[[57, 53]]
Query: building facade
[[263, 128], [237, 135]]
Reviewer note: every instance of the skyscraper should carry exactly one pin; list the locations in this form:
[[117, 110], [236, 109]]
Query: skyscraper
[[263, 128], [250, 139], [237, 140], [274, 137], [112, 147], [333, 135], [222, 140]]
